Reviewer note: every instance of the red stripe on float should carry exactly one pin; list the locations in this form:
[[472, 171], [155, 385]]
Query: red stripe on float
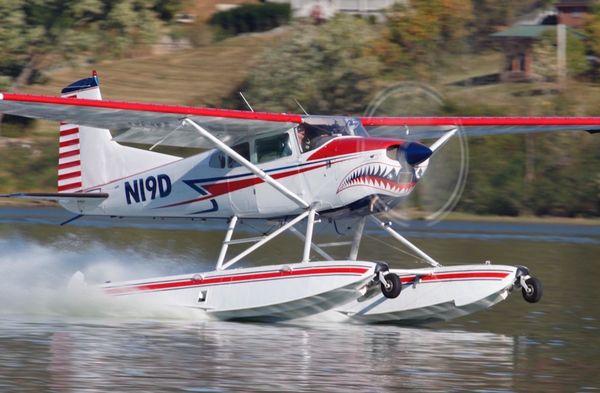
[[455, 276], [233, 279]]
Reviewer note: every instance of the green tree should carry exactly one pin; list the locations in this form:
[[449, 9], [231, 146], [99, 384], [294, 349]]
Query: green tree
[[545, 55], [37, 34], [328, 68], [422, 29]]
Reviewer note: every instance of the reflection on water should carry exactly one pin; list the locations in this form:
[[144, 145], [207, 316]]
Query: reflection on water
[[54, 339], [216, 356]]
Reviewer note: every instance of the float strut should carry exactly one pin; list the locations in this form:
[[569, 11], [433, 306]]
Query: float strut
[[403, 240], [228, 235], [310, 223], [356, 239]]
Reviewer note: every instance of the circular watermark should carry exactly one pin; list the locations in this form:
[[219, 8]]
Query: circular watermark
[[444, 175]]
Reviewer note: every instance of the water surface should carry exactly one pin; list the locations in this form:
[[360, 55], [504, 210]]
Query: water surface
[[55, 340]]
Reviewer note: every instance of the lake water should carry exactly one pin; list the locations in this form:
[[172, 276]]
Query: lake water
[[53, 340]]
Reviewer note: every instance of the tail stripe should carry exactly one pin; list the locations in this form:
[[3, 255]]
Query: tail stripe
[[68, 154], [69, 142], [69, 159], [69, 175], [70, 131], [69, 187], [69, 165]]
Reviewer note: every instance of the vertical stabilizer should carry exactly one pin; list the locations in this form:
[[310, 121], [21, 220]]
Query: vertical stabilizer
[[88, 157]]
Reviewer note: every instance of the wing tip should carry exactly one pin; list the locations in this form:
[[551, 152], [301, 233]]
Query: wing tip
[[1, 96]]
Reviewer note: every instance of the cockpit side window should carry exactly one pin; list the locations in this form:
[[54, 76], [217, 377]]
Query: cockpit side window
[[311, 136], [272, 147]]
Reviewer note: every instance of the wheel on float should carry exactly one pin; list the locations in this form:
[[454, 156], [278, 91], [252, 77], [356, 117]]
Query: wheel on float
[[533, 292], [393, 287]]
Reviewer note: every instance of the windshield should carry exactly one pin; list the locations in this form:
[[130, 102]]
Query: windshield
[[315, 131]]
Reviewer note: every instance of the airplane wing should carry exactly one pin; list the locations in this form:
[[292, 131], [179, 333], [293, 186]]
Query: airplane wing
[[435, 127], [148, 123], [151, 123]]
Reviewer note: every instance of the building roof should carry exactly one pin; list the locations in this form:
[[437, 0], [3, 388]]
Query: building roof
[[568, 3], [524, 31]]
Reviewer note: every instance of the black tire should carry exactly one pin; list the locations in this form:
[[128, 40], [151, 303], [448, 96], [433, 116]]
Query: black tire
[[395, 286], [536, 290]]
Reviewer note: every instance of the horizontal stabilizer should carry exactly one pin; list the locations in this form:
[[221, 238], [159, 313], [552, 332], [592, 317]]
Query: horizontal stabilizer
[[74, 196]]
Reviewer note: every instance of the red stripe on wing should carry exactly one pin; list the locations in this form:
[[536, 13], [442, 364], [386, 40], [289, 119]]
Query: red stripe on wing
[[481, 121], [157, 108]]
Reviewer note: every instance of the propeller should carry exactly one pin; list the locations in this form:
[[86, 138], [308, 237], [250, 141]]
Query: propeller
[[445, 161]]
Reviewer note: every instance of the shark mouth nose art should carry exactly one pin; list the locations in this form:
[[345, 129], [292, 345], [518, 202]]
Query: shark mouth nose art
[[380, 176]]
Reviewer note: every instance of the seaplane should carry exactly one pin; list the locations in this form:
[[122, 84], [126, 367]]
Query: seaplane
[[293, 170]]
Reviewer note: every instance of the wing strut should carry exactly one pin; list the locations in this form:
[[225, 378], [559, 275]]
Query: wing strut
[[253, 168]]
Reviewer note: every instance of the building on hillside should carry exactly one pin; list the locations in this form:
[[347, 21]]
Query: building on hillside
[[572, 13], [324, 9], [517, 43], [519, 39]]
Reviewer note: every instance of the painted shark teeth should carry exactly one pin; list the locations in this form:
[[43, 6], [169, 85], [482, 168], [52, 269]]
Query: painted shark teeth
[[376, 175]]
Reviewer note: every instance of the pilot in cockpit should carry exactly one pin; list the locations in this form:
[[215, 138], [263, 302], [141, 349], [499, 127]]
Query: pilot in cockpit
[[312, 136], [303, 139]]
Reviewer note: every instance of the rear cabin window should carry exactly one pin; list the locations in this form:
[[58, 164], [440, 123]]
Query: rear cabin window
[[242, 149], [217, 160], [272, 147]]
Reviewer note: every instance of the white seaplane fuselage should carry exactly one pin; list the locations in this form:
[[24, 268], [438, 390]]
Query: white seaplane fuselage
[[343, 171]]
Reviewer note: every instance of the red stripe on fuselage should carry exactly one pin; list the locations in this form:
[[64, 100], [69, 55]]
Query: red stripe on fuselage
[[218, 189], [158, 286], [348, 145]]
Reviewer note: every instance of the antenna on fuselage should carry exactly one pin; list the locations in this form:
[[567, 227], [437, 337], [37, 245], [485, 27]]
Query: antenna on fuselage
[[246, 101], [301, 107]]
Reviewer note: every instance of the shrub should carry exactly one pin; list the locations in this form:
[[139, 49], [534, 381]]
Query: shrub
[[249, 18]]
